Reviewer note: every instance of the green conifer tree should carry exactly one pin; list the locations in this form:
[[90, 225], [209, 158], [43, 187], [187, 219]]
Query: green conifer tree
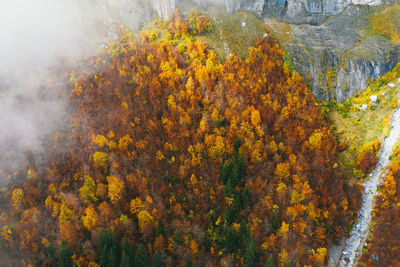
[[128, 254], [160, 228], [141, 257], [250, 254], [157, 261], [65, 255], [270, 261]]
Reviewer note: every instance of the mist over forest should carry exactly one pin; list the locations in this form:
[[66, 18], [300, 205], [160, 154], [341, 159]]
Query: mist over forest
[[199, 133]]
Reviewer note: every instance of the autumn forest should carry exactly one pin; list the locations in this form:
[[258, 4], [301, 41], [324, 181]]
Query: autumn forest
[[173, 156]]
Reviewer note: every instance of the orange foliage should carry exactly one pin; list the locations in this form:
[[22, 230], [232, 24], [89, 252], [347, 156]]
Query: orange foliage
[[153, 125]]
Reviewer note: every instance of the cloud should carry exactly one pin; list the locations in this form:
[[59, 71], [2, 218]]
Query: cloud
[[37, 40]]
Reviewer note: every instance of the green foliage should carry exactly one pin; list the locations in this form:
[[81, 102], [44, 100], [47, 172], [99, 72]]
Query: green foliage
[[244, 232], [125, 261], [246, 196], [176, 237], [270, 261], [142, 257], [238, 143], [108, 249], [65, 256], [157, 261], [128, 254], [233, 170], [160, 228], [232, 211], [288, 63], [237, 240], [250, 254], [228, 189], [273, 220], [232, 241]]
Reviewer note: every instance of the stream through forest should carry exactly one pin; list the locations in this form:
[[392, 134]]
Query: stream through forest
[[352, 246]]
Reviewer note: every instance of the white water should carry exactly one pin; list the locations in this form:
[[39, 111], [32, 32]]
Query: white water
[[353, 245]]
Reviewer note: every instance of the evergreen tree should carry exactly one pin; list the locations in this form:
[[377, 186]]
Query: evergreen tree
[[273, 220], [80, 245], [238, 169], [157, 261], [232, 211], [50, 252], [128, 253], [244, 234], [160, 228], [142, 257], [177, 238], [102, 247], [231, 241], [65, 256], [238, 143], [108, 249], [125, 261], [225, 172], [250, 255], [228, 190], [233, 169], [270, 261], [246, 196]]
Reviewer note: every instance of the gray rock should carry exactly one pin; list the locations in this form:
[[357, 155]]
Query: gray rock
[[340, 48], [364, 107]]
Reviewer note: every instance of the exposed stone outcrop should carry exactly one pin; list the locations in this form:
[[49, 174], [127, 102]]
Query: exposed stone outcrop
[[340, 48], [294, 11], [310, 11]]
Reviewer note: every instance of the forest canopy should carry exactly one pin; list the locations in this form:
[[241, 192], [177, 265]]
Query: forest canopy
[[174, 158]]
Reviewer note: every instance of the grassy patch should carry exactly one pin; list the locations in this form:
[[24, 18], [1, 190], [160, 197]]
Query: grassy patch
[[359, 129], [230, 35], [282, 31], [386, 22]]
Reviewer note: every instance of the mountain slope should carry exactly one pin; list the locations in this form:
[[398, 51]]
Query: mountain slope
[[191, 160]]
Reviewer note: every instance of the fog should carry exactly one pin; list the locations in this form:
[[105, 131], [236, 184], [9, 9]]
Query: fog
[[38, 38]]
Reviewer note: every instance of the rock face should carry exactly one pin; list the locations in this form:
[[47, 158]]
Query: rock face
[[164, 8], [293, 11], [337, 58], [310, 11]]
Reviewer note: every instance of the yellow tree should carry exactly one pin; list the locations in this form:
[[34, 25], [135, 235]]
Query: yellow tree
[[115, 188]]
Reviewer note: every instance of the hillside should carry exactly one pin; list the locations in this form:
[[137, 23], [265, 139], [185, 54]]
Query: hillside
[[382, 248], [173, 158]]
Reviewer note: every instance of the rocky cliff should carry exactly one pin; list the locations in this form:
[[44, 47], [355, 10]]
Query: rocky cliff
[[309, 11], [338, 57], [294, 11]]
